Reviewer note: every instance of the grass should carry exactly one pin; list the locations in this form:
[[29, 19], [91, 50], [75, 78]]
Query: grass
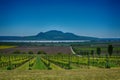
[[82, 74], [5, 47], [39, 65], [52, 65]]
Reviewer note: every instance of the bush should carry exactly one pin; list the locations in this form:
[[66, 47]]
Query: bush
[[30, 68], [17, 52], [30, 52], [9, 68], [41, 52], [107, 66]]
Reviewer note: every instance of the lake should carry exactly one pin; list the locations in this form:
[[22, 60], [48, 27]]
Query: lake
[[45, 41]]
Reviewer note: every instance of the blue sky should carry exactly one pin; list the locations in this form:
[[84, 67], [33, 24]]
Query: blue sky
[[97, 18]]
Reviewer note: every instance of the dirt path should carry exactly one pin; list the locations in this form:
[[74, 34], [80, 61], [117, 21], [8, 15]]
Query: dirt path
[[72, 50]]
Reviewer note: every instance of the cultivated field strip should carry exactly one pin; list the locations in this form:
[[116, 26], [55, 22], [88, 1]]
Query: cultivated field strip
[[48, 50]]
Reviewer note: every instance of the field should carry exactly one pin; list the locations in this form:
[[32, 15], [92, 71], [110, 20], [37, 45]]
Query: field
[[59, 63], [47, 49], [6, 47], [83, 74]]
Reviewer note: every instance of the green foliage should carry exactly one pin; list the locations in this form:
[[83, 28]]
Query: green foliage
[[31, 62], [29, 68], [30, 52], [17, 52], [57, 61], [110, 49], [9, 68], [107, 62], [92, 52], [41, 52], [24, 53], [13, 61], [60, 53], [98, 51]]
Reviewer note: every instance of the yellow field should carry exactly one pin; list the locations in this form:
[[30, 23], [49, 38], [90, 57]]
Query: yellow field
[[83, 74], [5, 47]]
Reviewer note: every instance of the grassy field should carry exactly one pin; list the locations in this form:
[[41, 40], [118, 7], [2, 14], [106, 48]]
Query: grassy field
[[39, 65], [82, 74], [5, 47]]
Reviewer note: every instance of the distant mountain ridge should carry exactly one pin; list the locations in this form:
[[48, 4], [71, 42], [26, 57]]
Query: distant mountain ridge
[[50, 35]]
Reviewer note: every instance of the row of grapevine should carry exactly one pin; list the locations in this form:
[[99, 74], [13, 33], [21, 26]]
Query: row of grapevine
[[31, 63], [71, 61], [14, 60], [50, 65], [58, 60]]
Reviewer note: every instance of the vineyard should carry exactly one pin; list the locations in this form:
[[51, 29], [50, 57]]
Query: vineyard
[[81, 60], [55, 62], [13, 61]]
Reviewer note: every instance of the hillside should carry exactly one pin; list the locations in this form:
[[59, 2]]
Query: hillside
[[49, 35]]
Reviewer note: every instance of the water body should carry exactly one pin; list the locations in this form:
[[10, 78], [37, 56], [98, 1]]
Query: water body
[[45, 41]]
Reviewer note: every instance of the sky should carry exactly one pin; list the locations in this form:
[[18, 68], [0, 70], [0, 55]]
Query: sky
[[95, 18]]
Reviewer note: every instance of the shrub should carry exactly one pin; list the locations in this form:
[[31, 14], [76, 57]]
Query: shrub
[[17, 52], [30, 52], [9, 68]]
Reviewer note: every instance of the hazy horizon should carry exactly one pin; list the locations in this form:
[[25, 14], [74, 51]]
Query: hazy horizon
[[94, 18]]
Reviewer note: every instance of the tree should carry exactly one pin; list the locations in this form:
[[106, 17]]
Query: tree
[[59, 53], [30, 52], [110, 49], [98, 51], [24, 53], [92, 52], [41, 52], [17, 52]]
